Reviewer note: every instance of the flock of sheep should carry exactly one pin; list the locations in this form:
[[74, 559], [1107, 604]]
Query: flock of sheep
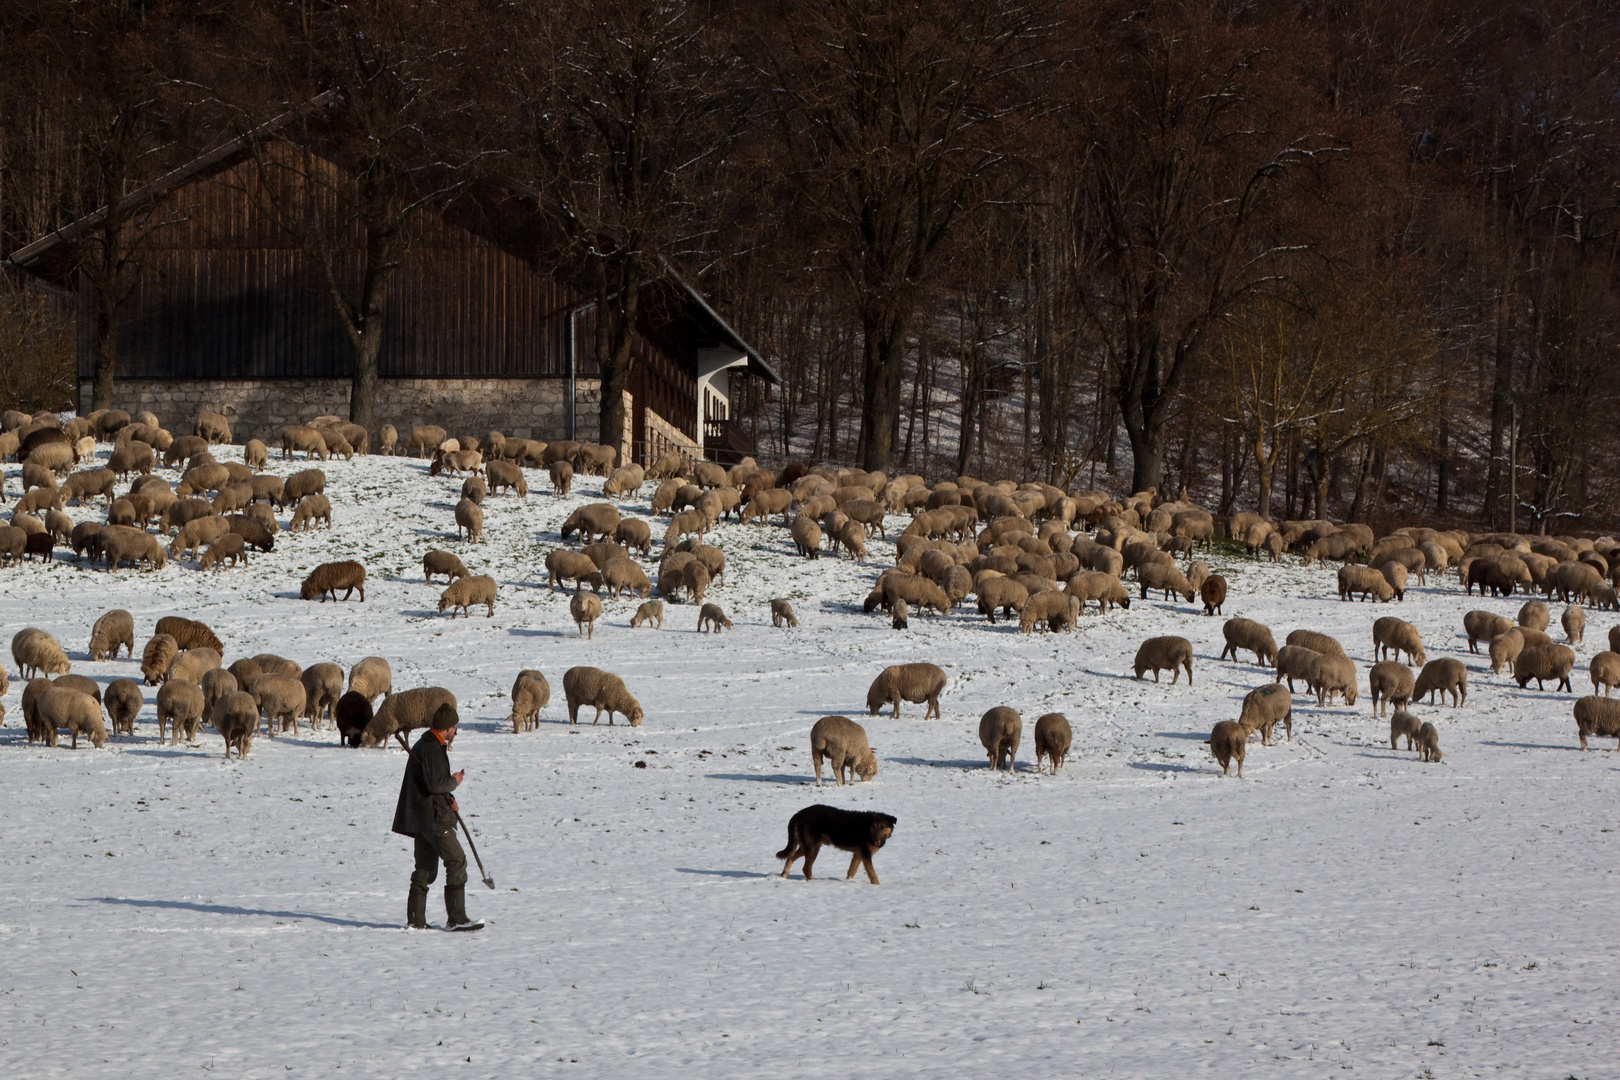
[[1029, 551]]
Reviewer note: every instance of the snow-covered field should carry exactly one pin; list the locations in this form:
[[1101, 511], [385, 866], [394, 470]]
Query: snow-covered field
[[1344, 907]]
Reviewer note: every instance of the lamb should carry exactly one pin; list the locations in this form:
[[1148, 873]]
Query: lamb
[[1599, 716], [1167, 653], [1484, 626], [180, 701], [530, 694], [842, 742], [442, 562], [714, 618], [1403, 723], [468, 592], [192, 664], [916, 683], [635, 535], [236, 717], [1229, 741], [1364, 580], [189, 633], [899, 614], [1329, 675], [38, 653], [563, 565], [1000, 730], [1541, 662], [231, 546], [1534, 614], [596, 520], [327, 578], [1392, 635], [1390, 683], [1263, 707], [1574, 623], [157, 655], [622, 574], [312, 509], [1444, 676], [1605, 671], [73, 711], [1315, 642], [782, 614], [650, 611], [323, 685], [123, 703], [1164, 576], [216, 683], [115, 628], [1248, 634], [1052, 739], [1059, 611], [1504, 649], [1213, 593], [585, 608], [1428, 742], [601, 689]]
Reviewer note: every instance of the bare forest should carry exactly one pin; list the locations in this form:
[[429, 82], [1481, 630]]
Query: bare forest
[[1311, 259]]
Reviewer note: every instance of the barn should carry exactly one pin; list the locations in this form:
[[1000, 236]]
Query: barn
[[483, 330]]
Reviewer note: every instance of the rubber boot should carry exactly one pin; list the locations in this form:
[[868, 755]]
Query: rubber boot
[[416, 909], [455, 908]]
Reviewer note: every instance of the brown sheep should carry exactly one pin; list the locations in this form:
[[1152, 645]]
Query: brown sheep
[[1390, 683], [370, 678], [216, 683], [1000, 730], [916, 683], [594, 521], [782, 614], [1541, 662], [442, 562], [236, 717], [213, 427], [1168, 653], [585, 608], [562, 477], [806, 536], [301, 438], [1213, 593], [1057, 611], [713, 618], [312, 510], [603, 690], [160, 650], [563, 565], [650, 611], [180, 701], [404, 712], [115, 628], [1428, 742], [1574, 624], [1248, 634], [252, 531], [255, 455], [1483, 626], [1444, 676], [1329, 675], [1392, 635], [1534, 614], [1052, 739], [1264, 707], [1401, 724], [231, 546], [73, 711], [1315, 642], [327, 578], [622, 575], [1229, 741], [842, 742], [38, 653], [123, 702], [1605, 671], [469, 592], [1364, 580], [192, 664], [695, 579], [282, 700], [1505, 648], [635, 535], [1164, 576], [504, 475], [189, 633], [323, 685], [530, 694], [1599, 716]]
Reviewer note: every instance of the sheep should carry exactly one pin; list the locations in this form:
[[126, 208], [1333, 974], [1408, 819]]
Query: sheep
[[189, 633], [1229, 741], [562, 565], [351, 716], [1213, 593], [41, 544], [916, 683], [1248, 634], [1058, 611], [851, 536], [1164, 576], [585, 608], [281, 698], [621, 575], [132, 457], [38, 653], [63, 709], [562, 477], [213, 427], [635, 535], [626, 480], [782, 614], [806, 536], [1599, 716], [327, 578], [530, 694], [210, 476], [1574, 624], [695, 579], [14, 543], [140, 549], [236, 717], [1000, 730], [276, 665], [1484, 626], [1052, 739], [255, 455], [1392, 635], [301, 484], [123, 703], [1534, 614], [371, 677], [842, 743], [1368, 582], [601, 689], [1428, 743], [1396, 574], [115, 628], [690, 523], [1167, 653], [1315, 642], [442, 562], [1263, 707], [1541, 662], [650, 611], [216, 683], [192, 664], [1605, 671], [231, 546], [1390, 683], [302, 438], [197, 534], [323, 685], [1444, 676], [312, 509], [182, 702], [269, 489], [1504, 649], [712, 617], [1328, 675], [596, 520], [468, 592], [404, 712], [899, 614], [155, 658], [1403, 723], [387, 440]]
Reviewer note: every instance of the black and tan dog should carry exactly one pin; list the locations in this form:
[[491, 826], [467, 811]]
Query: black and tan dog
[[859, 831]]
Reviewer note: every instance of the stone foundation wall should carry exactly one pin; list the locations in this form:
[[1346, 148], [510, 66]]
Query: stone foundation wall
[[521, 408]]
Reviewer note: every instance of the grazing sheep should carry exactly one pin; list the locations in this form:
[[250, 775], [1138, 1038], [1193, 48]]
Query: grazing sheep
[[1331, 675], [189, 633], [1444, 676], [592, 522], [14, 543], [563, 565], [1389, 682], [842, 742], [1541, 662], [1263, 707], [1428, 742], [603, 690], [255, 455], [1392, 635], [182, 702], [1505, 648], [236, 717], [635, 535], [216, 683], [1403, 723], [504, 475], [1534, 614], [405, 712], [1599, 716], [323, 685], [252, 531], [1168, 653], [442, 562], [1000, 730], [626, 480], [562, 477], [585, 608], [622, 575], [123, 701], [650, 611], [1484, 626], [275, 664], [1315, 642], [351, 716], [1213, 593], [119, 545], [156, 657], [695, 579], [192, 664], [1052, 739], [38, 653], [916, 683], [468, 592], [213, 427], [782, 614], [470, 518], [1574, 624], [1364, 580], [1167, 577], [370, 678], [301, 438], [899, 614], [806, 537], [530, 694], [327, 578], [713, 618], [115, 628], [312, 510], [1605, 671], [1248, 634], [281, 698], [1057, 611], [198, 533], [1229, 741], [63, 709], [230, 546]]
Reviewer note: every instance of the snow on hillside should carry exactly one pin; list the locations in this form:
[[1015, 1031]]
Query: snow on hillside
[[1345, 907]]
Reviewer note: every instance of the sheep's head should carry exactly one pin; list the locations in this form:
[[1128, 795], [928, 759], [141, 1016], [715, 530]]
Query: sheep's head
[[444, 602], [634, 714], [307, 590], [866, 767]]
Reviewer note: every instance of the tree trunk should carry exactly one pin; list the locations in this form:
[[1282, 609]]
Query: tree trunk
[[106, 352], [884, 339], [1501, 404], [367, 340], [1265, 472], [615, 334]]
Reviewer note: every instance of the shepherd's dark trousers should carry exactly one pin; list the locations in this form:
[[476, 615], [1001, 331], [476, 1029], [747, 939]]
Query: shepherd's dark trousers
[[430, 848]]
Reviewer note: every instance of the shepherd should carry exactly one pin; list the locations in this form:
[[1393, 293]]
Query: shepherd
[[427, 813]]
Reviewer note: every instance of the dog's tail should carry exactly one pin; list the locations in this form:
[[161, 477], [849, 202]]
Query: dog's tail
[[784, 852]]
